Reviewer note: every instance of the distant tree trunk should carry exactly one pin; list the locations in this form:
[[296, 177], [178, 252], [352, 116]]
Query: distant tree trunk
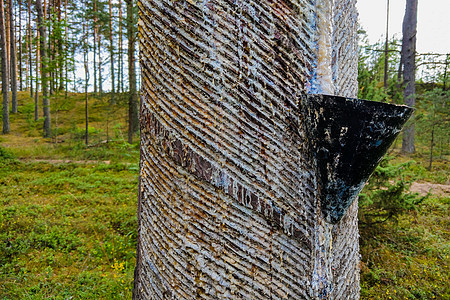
[[51, 49], [133, 124], [386, 50], [409, 72], [36, 93], [94, 44], [20, 47], [43, 46], [120, 53], [30, 49], [111, 53], [431, 148], [100, 78], [5, 70], [61, 58], [99, 49], [66, 52], [13, 59], [445, 72], [8, 37], [86, 81]]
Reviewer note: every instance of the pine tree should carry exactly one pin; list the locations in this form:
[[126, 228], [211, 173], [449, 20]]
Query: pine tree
[[13, 58], [5, 70], [133, 122], [43, 50], [409, 71]]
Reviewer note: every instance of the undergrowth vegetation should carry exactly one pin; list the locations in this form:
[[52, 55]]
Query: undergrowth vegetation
[[66, 230], [404, 236]]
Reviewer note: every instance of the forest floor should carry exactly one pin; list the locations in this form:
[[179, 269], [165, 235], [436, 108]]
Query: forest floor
[[68, 223]]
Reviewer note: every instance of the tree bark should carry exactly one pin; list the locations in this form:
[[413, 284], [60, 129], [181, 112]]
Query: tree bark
[[409, 71], [44, 78], [133, 105], [5, 70], [13, 59], [229, 188]]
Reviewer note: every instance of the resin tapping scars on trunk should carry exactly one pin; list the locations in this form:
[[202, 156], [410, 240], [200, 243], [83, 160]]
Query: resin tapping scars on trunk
[[350, 136]]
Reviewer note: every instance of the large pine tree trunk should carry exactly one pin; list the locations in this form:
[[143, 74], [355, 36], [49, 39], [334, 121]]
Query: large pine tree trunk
[[5, 69], [229, 203], [244, 190], [409, 69]]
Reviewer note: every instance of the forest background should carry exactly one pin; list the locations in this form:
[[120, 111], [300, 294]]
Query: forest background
[[69, 158]]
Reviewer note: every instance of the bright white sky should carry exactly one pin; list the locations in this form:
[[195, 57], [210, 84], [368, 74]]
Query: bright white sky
[[433, 22]]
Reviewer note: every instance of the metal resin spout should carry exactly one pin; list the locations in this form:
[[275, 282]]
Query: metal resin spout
[[350, 137]]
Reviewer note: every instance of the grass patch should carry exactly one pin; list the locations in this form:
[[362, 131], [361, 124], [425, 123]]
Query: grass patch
[[67, 231], [408, 259]]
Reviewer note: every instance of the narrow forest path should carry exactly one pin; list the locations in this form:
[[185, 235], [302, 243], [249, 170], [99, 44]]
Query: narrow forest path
[[423, 188]]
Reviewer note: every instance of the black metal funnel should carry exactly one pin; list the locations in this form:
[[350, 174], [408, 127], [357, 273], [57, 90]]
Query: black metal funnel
[[350, 137]]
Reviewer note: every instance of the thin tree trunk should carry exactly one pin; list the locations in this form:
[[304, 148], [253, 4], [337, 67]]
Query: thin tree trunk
[[36, 94], [43, 40], [409, 75], [66, 52], [100, 79], [8, 37], [94, 32], [431, 149], [445, 72], [60, 52], [386, 50], [20, 47], [111, 52], [94, 59], [99, 50], [133, 124], [5, 70], [51, 49], [30, 49], [13, 59], [86, 81], [120, 54]]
